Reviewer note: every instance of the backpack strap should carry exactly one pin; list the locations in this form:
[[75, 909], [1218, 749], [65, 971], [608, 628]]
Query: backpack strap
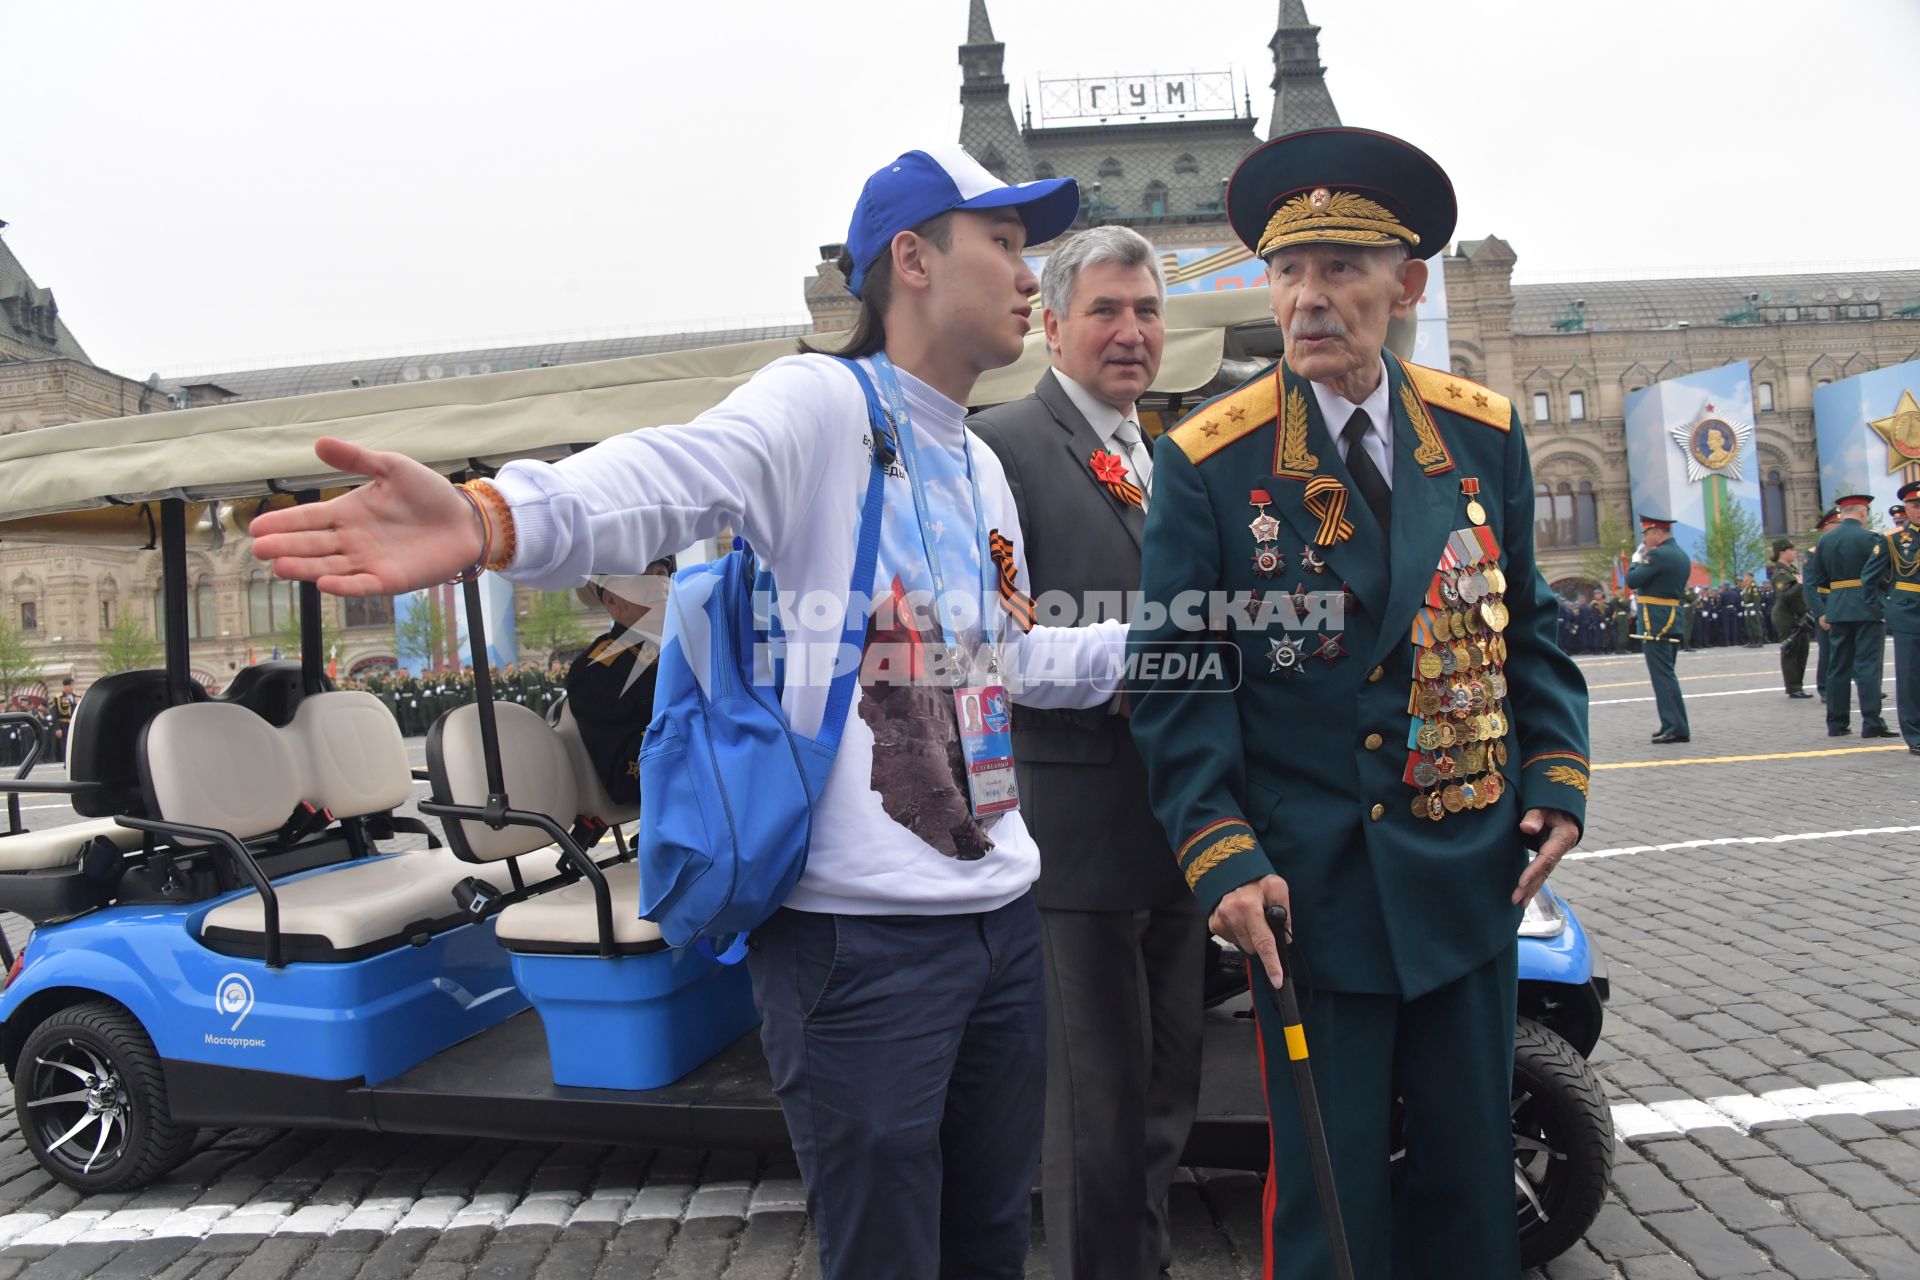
[[840, 696]]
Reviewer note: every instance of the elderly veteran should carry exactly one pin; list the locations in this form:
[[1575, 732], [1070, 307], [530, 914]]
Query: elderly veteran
[[1404, 727]]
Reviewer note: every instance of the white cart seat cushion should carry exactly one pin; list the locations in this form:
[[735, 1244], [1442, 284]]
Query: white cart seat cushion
[[211, 764], [355, 909], [354, 760], [594, 800], [534, 765], [54, 847], [562, 921]]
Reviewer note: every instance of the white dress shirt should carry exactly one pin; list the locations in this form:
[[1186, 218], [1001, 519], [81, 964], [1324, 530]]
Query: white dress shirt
[[1335, 409], [1105, 421]]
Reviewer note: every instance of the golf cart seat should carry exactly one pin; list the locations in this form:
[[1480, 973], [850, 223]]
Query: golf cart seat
[[619, 1008], [547, 771], [221, 766], [51, 848], [103, 747], [593, 797], [271, 690]]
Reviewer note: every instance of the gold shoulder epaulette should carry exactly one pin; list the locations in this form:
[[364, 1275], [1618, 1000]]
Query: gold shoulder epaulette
[[1458, 395], [1226, 418]]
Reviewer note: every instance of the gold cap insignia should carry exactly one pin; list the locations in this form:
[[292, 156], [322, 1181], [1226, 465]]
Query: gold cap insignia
[[1321, 216]]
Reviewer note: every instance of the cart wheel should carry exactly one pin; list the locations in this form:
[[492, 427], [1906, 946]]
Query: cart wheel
[[1562, 1143], [92, 1101]]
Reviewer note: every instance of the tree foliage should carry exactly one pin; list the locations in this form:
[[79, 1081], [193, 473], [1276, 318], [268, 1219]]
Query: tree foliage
[[18, 663], [129, 645], [1735, 545], [420, 635], [551, 625]]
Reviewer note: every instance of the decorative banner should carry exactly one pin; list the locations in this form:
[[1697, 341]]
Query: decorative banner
[[1689, 452], [448, 650], [1868, 431]]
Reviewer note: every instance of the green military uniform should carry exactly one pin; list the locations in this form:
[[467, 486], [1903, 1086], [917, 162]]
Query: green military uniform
[[1400, 882], [1659, 580], [1854, 568], [1903, 620], [1750, 613], [1791, 620]]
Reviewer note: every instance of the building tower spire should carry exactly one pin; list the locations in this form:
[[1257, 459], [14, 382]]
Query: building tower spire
[[1300, 97], [987, 127]]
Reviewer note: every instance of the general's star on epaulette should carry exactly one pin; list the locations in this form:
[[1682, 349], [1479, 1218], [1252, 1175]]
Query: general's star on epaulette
[[1235, 413], [1453, 392], [1479, 399]]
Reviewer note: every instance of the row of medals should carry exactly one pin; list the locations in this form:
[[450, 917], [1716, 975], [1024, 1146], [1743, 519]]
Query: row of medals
[[1457, 692]]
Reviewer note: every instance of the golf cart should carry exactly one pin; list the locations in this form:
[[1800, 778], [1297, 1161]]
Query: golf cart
[[225, 936]]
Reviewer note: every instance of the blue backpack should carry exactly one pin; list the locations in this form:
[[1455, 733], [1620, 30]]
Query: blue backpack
[[727, 787]]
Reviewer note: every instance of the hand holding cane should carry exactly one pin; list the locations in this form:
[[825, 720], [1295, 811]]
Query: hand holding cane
[[1318, 1153]]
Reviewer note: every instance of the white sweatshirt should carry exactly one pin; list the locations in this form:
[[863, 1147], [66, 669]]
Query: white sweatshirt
[[784, 462]]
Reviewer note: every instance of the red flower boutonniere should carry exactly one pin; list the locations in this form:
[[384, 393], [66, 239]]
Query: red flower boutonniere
[[1110, 469]]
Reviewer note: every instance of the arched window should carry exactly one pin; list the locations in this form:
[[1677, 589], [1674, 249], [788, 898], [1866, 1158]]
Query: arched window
[[1186, 164], [1773, 504], [1042, 171], [201, 621], [1586, 515], [1110, 168], [369, 611], [1543, 515], [1563, 515], [1156, 199]]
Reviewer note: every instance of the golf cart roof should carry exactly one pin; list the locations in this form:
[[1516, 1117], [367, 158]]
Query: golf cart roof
[[90, 482]]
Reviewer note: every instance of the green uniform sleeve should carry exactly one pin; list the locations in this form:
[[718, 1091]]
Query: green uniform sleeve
[[1188, 726], [1548, 692]]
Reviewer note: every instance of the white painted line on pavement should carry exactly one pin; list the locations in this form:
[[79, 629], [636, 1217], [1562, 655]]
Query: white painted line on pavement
[[1690, 696], [1732, 840], [1632, 1122], [1635, 1121]]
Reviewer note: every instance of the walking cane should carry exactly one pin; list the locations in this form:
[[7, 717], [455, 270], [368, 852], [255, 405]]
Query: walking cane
[[1317, 1152]]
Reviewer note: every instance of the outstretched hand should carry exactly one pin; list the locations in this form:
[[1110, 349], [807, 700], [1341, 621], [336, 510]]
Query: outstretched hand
[[407, 529]]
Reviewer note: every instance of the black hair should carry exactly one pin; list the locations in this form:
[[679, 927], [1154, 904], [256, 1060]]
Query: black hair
[[869, 334]]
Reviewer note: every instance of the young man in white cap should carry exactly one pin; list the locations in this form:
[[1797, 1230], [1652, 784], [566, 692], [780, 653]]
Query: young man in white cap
[[901, 986]]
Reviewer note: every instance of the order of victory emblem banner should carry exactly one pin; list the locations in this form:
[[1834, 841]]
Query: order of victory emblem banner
[[1714, 443], [1690, 452], [1868, 430]]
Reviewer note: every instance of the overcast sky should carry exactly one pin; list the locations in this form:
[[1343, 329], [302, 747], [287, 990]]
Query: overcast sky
[[219, 183]]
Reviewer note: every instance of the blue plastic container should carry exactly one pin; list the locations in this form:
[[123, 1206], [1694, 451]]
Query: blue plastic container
[[635, 1022]]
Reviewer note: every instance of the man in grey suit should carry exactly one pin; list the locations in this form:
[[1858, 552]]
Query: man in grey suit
[[1125, 940]]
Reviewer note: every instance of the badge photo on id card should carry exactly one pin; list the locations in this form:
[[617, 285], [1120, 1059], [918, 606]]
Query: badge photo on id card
[[985, 716]]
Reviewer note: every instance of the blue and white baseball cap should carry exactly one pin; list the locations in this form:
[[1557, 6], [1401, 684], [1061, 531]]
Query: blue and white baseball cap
[[925, 184]]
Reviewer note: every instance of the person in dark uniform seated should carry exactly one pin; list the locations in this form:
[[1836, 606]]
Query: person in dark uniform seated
[[610, 686]]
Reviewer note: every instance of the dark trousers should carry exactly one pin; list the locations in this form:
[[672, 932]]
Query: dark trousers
[[1793, 660], [909, 1057], [1661, 656], [1855, 660], [1449, 1054], [1124, 1021], [1823, 644], [1906, 686]]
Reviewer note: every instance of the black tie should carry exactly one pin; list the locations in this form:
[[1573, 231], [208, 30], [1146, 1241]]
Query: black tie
[[1373, 485]]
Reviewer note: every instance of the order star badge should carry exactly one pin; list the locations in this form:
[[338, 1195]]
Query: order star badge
[[1287, 655], [1901, 430]]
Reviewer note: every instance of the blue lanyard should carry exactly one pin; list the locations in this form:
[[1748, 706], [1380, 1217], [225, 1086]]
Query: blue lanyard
[[903, 430]]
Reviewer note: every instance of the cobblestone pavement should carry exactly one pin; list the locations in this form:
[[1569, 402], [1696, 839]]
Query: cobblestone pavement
[[1761, 917]]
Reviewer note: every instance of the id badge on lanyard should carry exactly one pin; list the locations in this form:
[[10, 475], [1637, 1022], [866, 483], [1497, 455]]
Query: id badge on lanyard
[[985, 716], [982, 710]]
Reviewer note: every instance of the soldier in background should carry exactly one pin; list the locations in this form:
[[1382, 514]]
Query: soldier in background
[[64, 704], [1817, 603], [1903, 616], [1659, 573], [1854, 569], [1791, 619]]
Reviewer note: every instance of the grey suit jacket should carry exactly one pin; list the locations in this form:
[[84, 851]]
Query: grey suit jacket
[[1083, 786]]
